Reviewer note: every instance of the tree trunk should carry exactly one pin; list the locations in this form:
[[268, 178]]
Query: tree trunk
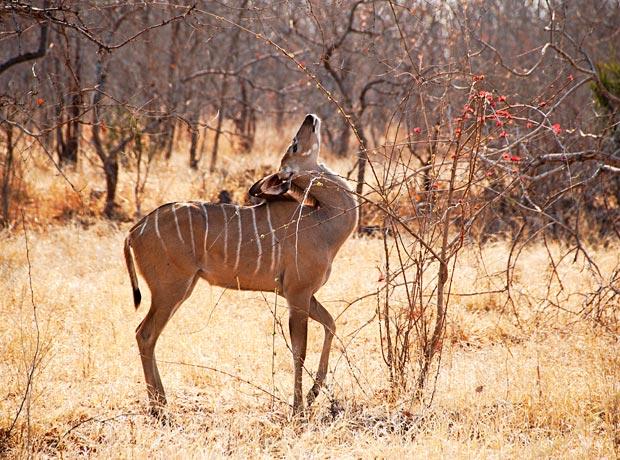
[[68, 138], [361, 173], [170, 130], [245, 123], [344, 141], [362, 159], [6, 177], [74, 126], [218, 130], [110, 168], [68, 129], [193, 160], [107, 155], [280, 108]]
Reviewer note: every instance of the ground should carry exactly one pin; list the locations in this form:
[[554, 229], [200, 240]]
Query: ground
[[547, 387], [534, 379]]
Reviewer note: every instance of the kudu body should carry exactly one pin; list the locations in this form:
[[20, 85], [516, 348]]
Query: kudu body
[[284, 245]]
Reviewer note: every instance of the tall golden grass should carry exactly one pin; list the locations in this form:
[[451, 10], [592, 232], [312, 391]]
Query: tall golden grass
[[547, 385]]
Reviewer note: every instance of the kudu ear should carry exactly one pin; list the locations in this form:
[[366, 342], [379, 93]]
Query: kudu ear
[[270, 187], [279, 186]]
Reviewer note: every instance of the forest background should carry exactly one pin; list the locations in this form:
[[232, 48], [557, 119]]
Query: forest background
[[477, 304]]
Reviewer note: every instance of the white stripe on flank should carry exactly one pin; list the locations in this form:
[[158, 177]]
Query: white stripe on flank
[[146, 219], [204, 207], [176, 221], [279, 245], [259, 246], [191, 229], [273, 240], [225, 234], [157, 224], [238, 240]]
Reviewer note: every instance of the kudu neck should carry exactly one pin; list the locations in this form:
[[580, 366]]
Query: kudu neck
[[328, 188]]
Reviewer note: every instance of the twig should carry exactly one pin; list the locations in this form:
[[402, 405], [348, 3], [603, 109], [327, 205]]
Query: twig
[[35, 357]]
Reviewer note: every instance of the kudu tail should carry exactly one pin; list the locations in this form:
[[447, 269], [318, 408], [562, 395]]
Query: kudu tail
[[137, 297]]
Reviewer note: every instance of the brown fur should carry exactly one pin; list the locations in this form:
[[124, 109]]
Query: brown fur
[[179, 243]]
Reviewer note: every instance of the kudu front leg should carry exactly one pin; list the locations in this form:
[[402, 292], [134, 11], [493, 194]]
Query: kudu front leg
[[322, 316], [298, 329]]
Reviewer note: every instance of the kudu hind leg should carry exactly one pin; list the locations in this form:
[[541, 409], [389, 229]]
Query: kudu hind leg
[[321, 315], [166, 299]]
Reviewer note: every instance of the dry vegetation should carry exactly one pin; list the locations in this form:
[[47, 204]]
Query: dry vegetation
[[477, 307], [544, 385]]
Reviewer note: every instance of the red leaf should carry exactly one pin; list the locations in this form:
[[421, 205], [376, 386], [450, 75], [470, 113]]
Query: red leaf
[[557, 129], [417, 130], [504, 113]]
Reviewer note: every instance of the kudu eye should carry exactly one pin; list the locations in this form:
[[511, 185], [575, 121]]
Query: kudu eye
[[295, 147]]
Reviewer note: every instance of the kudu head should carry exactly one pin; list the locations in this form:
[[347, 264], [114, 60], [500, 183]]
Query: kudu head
[[300, 157], [303, 153]]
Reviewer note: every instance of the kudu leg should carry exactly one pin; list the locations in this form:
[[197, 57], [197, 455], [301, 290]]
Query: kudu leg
[[298, 328], [320, 314], [166, 299]]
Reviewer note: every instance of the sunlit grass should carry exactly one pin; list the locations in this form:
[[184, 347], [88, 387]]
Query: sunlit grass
[[547, 385]]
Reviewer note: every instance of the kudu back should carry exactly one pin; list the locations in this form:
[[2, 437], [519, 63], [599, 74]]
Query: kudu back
[[286, 245]]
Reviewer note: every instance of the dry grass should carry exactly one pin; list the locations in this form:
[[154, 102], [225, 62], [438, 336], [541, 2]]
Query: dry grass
[[548, 387]]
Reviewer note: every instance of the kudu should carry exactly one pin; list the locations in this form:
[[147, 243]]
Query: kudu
[[285, 244]]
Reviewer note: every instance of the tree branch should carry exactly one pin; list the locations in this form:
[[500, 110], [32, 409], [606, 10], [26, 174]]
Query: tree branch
[[24, 57]]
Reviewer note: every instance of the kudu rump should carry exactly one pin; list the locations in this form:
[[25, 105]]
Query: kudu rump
[[286, 245]]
